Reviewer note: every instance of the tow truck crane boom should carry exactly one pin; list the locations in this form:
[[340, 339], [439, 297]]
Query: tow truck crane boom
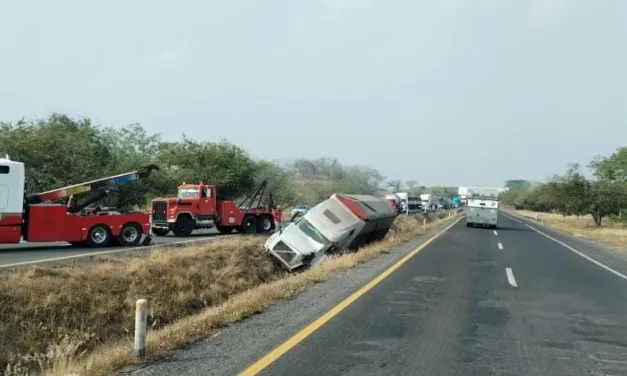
[[94, 190]]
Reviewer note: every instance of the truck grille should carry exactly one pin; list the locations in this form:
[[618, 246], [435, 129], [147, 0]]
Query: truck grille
[[159, 211], [284, 253]]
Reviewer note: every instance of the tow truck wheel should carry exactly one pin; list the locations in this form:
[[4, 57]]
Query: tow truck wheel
[[99, 236], [250, 225], [130, 234], [183, 226], [266, 224], [224, 229]]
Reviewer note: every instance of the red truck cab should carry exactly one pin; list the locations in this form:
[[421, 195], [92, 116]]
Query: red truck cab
[[197, 206]]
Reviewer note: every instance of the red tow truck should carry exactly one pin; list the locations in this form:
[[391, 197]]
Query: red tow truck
[[198, 206], [34, 219]]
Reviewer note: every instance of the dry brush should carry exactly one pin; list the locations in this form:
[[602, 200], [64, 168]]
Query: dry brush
[[80, 317]]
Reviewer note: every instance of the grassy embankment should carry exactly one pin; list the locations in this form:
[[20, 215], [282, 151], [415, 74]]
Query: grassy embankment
[[613, 234], [80, 318]]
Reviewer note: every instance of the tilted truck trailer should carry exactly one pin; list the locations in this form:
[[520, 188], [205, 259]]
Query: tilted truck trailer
[[482, 212], [198, 206], [340, 222], [34, 219]]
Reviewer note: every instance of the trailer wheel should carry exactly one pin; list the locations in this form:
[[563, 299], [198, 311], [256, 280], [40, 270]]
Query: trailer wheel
[[250, 225], [266, 224], [99, 236], [183, 226], [130, 234], [160, 231]]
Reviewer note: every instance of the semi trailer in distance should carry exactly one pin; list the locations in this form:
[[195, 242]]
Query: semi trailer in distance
[[340, 222]]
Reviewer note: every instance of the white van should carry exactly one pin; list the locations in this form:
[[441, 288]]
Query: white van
[[482, 212]]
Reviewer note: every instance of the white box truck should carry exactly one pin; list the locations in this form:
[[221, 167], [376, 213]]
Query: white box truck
[[482, 212], [340, 222], [428, 201]]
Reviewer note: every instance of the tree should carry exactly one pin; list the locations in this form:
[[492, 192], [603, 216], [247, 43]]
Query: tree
[[395, 185], [605, 198], [58, 151], [279, 182], [612, 168], [223, 164], [411, 184], [438, 191], [517, 184]]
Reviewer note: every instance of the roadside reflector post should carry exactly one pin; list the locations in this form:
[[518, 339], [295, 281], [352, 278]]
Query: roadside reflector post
[[424, 224], [141, 316]]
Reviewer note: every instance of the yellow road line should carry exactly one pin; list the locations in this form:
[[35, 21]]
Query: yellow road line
[[286, 346]]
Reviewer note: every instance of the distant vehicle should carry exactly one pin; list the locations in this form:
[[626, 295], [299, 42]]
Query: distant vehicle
[[408, 204], [456, 201], [482, 212], [429, 202], [300, 210]]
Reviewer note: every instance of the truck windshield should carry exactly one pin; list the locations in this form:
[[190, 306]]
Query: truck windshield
[[189, 192], [311, 232]]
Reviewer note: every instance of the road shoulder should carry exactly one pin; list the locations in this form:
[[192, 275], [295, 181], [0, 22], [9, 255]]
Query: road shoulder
[[252, 338], [613, 257]]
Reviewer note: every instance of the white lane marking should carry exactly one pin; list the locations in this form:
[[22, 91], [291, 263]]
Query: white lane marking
[[510, 277], [579, 253], [500, 246], [495, 233], [164, 245]]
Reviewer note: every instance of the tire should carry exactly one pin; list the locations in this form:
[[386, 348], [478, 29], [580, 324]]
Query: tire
[[249, 226], [224, 229], [265, 224], [99, 236], [160, 231], [183, 226], [130, 234]]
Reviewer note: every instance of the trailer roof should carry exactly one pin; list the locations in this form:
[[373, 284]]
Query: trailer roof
[[367, 208]]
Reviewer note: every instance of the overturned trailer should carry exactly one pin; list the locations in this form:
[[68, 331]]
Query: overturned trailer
[[340, 222]]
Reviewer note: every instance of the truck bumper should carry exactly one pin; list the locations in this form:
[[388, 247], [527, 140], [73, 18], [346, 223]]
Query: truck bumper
[[160, 225]]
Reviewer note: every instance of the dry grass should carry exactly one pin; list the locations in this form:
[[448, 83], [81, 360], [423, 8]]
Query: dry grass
[[80, 318], [611, 233]]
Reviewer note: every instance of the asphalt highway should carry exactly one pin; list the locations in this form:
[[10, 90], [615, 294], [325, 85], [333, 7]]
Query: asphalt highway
[[33, 253], [474, 301]]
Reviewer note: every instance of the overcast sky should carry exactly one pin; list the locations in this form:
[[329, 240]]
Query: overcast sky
[[446, 92]]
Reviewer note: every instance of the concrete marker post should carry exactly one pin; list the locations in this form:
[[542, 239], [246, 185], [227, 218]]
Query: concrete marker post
[[141, 316]]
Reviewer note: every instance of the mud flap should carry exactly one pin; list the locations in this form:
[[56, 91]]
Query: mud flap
[[147, 240]]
